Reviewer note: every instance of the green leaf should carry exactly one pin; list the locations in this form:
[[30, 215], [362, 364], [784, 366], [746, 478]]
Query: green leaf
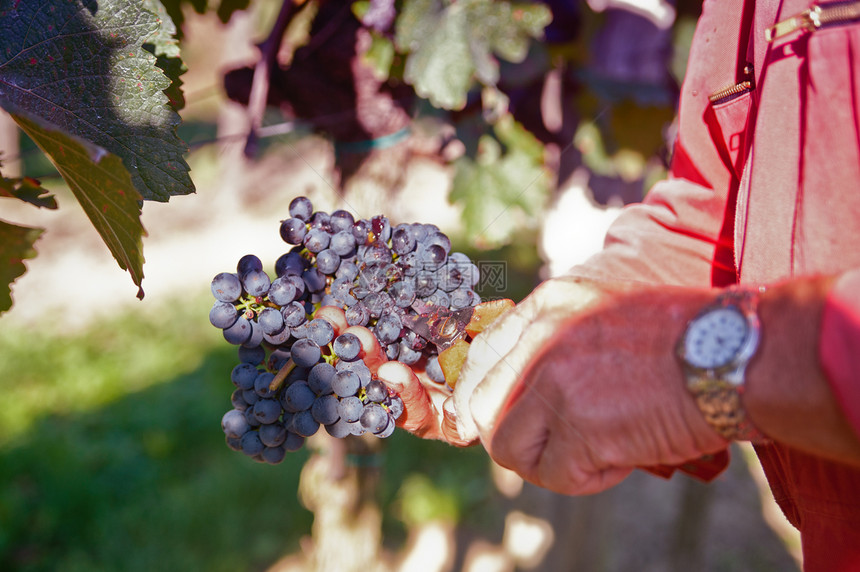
[[103, 187], [16, 245], [28, 190], [501, 191], [451, 43], [81, 67]]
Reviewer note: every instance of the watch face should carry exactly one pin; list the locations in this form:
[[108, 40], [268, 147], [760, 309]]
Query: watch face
[[715, 338]]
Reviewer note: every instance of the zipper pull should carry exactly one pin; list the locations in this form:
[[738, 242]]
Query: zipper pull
[[801, 21], [818, 16]]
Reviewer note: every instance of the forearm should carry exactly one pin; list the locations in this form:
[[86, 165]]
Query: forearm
[[787, 394]]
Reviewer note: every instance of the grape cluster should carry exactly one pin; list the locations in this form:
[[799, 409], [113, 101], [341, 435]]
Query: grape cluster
[[294, 375]]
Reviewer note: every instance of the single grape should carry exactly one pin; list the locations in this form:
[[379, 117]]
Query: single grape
[[282, 291], [294, 314], [346, 383], [425, 284], [341, 220], [301, 208], [388, 430], [271, 321], [378, 303], [347, 346], [395, 407], [407, 355], [322, 221], [358, 367], [347, 270], [357, 315], [293, 442], [414, 341], [243, 375], [439, 298], [234, 443], [251, 444], [339, 429], [237, 401], [293, 230], [433, 257], [314, 280], [253, 356], [291, 263], [341, 290], [298, 397], [402, 241], [319, 378], [304, 423], [403, 294], [239, 332], [377, 252], [350, 408], [256, 337], [281, 337], [262, 383], [226, 287], [267, 411], [376, 391], [250, 396], [410, 263], [388, 328], [320, 331], [273, 455], [249, 416], [256, 283], [327, 261], [278, 359], [324, 409], [316, 240], [305, 352], [343, 243], [434, 370], [374, 418], [234, 424], [450, 277], [223, 314], [272, 434], [381, 228], [247, 264], [464, 298]]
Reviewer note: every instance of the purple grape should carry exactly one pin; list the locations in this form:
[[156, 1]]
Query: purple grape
[[273, 455], [256, 283], [226, 287], [238, 401], [243, 375], [223, 314], [374, 418], [324, 409], [322, 221], [319, 378], [347, 270], [291, 263], [376, 391], [251, 444], [343, 243], [402, 241], [320, 331], [294, 314], [357, 315], [262, 383], [328, 261], [346, 383], [253, 356], [358, 367], [304, 423], [316, 240], [267, 411], [339, 429], [434, 370], [388, 430], [314, 280], [272, 434], [293, 442], [395, 407], [298, 397], [256, 337], [293, 231], [271, 321], [350, 408], [301, 208], [234, 424], [341, 220], [282, 291], [403, 294], [239, 332], [347, 346], [247, 264], [305, 352], [388, 328]]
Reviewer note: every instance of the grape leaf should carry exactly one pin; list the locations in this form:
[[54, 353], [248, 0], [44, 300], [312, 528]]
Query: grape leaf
[[450, 43], [102, 186], [28, 190], [81, 67], [503, 188], [16, 245]]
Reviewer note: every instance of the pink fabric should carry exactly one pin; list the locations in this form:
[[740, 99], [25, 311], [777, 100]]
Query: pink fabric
[[763, 206]]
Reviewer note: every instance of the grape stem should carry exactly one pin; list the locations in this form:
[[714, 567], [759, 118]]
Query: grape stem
[[282, 374]]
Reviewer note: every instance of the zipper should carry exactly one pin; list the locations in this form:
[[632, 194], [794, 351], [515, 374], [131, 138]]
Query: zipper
[[736, 90], [816, 17]]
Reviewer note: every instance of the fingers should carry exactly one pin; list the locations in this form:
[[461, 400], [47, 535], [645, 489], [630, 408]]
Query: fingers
[[420, 415]]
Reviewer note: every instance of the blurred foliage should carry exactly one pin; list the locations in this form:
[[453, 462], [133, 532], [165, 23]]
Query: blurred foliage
[[112, 458]]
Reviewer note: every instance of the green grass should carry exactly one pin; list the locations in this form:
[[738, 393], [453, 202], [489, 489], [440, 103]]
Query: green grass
[[112, 457]]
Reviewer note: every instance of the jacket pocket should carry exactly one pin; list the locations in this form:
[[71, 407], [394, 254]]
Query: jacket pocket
[[728, 117]]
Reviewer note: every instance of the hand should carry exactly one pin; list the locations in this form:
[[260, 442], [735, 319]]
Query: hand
[[580, 384]]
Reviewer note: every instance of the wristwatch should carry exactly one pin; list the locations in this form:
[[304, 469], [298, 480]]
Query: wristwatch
[[714, 351]]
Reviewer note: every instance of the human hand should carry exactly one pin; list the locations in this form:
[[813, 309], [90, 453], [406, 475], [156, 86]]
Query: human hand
[[580, 385]]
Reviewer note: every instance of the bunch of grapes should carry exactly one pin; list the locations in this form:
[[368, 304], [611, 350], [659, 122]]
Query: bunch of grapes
[[294, 374]]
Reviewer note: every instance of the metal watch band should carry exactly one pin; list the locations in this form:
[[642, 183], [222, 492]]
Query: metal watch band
[[718, 393]]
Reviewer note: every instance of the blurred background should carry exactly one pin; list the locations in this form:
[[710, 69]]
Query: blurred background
[[111, 454]]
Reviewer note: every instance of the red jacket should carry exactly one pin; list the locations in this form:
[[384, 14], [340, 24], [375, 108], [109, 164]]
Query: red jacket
[[764, 186]]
